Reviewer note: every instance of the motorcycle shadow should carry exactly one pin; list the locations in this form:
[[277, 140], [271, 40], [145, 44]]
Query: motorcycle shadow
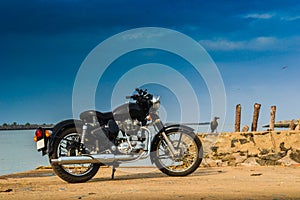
[[145, 173]]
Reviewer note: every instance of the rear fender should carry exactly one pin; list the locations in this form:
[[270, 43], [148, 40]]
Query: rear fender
[[58, 128], [158, 136]]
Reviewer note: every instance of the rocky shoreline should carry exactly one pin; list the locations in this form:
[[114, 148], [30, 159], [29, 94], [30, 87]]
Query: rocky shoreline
[[23, 127]]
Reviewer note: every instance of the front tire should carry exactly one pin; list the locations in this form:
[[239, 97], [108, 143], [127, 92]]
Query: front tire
[[190, 153], [67, 145]]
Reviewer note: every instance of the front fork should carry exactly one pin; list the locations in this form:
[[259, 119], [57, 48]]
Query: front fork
[[158, 123], [171, 148]]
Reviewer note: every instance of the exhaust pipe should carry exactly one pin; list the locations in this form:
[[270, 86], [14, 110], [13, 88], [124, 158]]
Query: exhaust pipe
[[98, 158]]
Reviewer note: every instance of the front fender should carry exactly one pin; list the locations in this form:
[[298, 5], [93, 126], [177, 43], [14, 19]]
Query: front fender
[[158, 137], [58, 128], [178, 126]]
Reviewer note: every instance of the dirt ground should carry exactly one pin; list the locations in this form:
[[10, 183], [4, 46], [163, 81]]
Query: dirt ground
[[148, 183]]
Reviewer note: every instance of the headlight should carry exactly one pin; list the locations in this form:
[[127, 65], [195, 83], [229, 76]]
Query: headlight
[[156, 103]]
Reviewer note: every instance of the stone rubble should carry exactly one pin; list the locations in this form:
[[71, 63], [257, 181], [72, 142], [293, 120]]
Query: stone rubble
[[251, 148]]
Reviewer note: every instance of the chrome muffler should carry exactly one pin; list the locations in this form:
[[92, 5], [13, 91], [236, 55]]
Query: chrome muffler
[[97, 158]]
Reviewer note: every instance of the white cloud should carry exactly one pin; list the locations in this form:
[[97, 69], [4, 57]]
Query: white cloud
[[256, 44], [264, 16], [142, 34], [259, 16], [290, 18], [222, 44], [262, 43]]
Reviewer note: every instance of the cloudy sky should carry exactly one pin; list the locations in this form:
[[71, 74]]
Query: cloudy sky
[[254, 44]]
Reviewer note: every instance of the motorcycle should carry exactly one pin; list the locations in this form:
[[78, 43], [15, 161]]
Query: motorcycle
[[78, 147]]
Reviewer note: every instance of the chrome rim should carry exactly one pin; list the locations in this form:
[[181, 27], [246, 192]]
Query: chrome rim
[[64, 150], [188, 152]]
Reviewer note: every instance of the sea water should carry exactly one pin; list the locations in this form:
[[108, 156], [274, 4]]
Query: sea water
[[18, 152]]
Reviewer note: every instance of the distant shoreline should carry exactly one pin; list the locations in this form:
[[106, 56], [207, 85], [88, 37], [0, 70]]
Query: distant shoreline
[[23, 127]]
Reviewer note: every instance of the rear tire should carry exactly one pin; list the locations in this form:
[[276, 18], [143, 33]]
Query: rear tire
[[74, 173]]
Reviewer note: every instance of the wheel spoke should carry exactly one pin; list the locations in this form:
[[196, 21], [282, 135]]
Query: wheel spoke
[[74, 169], [187, 147]]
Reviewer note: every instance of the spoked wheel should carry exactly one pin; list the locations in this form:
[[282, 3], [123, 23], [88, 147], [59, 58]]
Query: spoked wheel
[[190, 153], [68, 144]]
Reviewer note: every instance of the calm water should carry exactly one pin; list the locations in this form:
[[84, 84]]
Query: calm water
[[18, 152]]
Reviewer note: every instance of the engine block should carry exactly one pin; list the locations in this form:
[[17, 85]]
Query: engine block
[[129, 126]]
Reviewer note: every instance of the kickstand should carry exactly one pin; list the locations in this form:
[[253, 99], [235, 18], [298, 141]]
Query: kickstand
[[113, 172]]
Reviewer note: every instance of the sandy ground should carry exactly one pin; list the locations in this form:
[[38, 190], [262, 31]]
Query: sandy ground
[[148, 183]]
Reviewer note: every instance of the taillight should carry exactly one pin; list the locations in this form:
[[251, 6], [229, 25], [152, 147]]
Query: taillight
[[38, 134], [41, 133]]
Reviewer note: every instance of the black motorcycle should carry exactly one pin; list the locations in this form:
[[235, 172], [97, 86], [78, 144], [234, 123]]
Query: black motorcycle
[[77, 148]]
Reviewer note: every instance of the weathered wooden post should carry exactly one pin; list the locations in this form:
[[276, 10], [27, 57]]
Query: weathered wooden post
[[237, 125], [255, 116], [272, 118]]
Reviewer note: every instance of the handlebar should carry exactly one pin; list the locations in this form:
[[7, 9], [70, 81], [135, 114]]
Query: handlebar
[[141, 93], [134, 97]]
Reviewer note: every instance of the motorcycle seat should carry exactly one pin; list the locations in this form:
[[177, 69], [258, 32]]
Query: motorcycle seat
[[90, 114]]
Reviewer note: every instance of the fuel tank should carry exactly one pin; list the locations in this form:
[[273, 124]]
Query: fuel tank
[[129, 111]]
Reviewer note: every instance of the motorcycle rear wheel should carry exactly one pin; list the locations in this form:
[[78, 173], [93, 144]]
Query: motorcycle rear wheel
[[190, 153], [71, 173]]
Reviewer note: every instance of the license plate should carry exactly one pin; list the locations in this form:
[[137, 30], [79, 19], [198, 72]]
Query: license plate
[[40, 144]]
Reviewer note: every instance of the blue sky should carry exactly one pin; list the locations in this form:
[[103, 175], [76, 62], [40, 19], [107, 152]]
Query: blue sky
[[255, 45]]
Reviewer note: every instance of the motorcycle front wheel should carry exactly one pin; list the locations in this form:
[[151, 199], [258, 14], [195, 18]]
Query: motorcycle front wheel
[[67, 144], [190, 150]]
